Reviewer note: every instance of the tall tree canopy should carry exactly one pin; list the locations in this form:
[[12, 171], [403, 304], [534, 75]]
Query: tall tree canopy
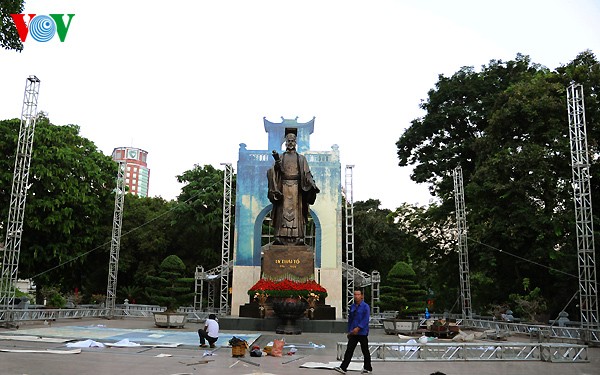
[[146, 239], [69, 206], [506, 125], [198, 221], [9, 37], [190, 228], [69, 212], [379, 242]]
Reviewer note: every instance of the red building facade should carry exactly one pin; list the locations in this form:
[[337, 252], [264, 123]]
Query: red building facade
[[137, 174]]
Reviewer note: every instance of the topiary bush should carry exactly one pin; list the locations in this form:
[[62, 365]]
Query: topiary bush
[[401, 292], [170, 288]]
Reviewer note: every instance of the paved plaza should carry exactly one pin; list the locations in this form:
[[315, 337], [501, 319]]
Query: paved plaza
[[189, 359]]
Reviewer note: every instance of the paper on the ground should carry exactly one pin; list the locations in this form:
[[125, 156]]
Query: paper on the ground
[[115, 345], [353, 366], [47, 351], [310, 345], [33, 338], [85, 344], [125, 342]]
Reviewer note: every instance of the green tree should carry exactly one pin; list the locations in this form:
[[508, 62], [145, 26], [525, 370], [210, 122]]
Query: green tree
[[378, 241], [412, 234], [457, 110], [9, 37], [530, 305], [69, 205], [432, 249], [520, 191], [147, 232], [198, 216], [402, 293], [132, 293], [170, 288], [506, 125]]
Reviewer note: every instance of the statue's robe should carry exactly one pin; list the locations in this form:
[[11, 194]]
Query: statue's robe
[[291, 190]]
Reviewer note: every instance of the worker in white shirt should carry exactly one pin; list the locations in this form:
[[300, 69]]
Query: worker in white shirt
[[210, 333]]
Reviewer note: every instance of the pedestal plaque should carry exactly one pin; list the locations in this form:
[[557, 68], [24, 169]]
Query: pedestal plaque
[[285, 261]]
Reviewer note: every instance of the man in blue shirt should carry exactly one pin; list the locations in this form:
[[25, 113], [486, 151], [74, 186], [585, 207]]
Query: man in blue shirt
[[358, 332]]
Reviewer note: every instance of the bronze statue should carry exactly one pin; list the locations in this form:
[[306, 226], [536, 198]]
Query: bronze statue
[[291, 190]]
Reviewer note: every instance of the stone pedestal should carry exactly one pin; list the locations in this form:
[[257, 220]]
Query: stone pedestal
[[293, 262], [252, 309]]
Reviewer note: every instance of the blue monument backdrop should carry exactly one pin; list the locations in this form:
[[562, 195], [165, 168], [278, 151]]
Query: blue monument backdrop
[[252, 207]]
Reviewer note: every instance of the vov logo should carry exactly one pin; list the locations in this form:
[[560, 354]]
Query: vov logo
[[42, 28]]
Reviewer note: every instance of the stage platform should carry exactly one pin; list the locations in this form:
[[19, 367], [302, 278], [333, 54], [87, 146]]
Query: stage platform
[[319, 348], [101, 333]]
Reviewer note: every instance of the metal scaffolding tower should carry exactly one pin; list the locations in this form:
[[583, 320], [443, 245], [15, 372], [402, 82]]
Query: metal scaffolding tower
[[16, 211], [225, 245], [211, 277], [463, 252], [588, 293], [375, 280], [364, 280], [199, 276], [210, 299], [349, 205], [115, 243]]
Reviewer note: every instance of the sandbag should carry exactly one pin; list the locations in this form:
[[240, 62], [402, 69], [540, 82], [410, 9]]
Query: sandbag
[[277, 350]]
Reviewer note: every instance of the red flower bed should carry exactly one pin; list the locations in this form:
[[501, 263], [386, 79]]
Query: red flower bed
[[288, 288]]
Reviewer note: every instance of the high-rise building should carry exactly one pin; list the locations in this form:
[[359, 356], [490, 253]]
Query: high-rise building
[[137, 174]]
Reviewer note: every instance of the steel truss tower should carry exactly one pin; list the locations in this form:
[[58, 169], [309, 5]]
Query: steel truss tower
[[16, 211], [463, 253], [199, 276], [210, 300], [349, 206], [375, 280], [115, 243], [588, 293], [225, 245]]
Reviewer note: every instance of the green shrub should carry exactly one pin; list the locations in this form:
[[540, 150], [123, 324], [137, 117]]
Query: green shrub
[[53, 297], [170, 288], [402, 293]]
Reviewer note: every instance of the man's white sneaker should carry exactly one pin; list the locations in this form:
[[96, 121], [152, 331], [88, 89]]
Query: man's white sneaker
[[339, 369], [365, 371]]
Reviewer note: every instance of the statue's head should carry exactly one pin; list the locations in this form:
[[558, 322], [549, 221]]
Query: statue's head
[[290, 141]]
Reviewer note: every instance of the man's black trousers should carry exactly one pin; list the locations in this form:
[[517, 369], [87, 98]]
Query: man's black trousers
[[353, 340]]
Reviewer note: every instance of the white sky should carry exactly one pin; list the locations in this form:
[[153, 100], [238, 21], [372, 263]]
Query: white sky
[[190, 80]]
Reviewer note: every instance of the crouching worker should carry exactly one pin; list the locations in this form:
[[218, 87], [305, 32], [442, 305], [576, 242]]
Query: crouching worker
[[210, 333]]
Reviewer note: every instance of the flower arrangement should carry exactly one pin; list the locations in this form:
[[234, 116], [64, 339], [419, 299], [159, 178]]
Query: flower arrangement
[[288, 288], [261, 297], [311, 299]]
